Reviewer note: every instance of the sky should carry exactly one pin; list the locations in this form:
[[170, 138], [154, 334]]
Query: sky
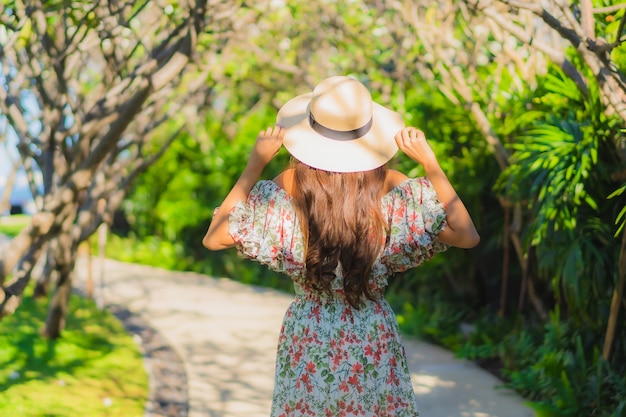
[[8, 151], [8, 154], [5, 165]]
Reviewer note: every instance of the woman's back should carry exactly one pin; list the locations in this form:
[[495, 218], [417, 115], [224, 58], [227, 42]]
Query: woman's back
[[286, 180]]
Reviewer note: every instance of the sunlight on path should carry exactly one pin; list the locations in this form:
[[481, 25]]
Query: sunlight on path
[[226, 334]]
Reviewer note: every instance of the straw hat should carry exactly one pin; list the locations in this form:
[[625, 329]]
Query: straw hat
[[339, 128]]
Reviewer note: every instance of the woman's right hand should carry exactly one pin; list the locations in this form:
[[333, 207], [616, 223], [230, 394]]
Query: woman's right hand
[[267, 145], [413, 143]]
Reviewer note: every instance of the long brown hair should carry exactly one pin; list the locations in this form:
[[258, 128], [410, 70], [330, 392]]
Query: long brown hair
[[342, 223]]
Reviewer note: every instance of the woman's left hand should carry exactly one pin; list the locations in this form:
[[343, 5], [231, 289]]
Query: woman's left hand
[[413, 143]]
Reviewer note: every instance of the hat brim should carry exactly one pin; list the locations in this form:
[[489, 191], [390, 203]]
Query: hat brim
[[365, 153]]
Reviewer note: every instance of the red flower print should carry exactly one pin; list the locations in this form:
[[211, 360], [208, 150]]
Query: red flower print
[[393, 379], [315, 313], [300, 405], [305, 378], [353, 380], [337, 360], [310, 367], [357, 368], [344, 387]]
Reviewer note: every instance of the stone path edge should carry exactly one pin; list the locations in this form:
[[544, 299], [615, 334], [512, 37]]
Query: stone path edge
[[168, 395], [167, 379]]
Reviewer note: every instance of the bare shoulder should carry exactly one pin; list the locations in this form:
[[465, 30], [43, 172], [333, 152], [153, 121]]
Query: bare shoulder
[[394, 178], [285, 180]]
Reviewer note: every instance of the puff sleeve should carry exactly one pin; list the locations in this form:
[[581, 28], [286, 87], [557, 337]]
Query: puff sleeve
[[416, 217], [266, 230]]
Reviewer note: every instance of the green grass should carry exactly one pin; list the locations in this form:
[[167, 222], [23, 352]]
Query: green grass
[[150, 251], [12, 225], [95, 369]]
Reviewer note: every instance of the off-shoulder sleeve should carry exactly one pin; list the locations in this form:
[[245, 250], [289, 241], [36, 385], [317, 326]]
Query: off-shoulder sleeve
[[416, 217], [265, 229]]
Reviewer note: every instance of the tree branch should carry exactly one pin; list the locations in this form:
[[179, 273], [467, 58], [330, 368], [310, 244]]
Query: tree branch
[[609, 9], [554, 55]]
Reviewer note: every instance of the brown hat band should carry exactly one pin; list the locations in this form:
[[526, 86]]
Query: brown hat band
[[339, 134]]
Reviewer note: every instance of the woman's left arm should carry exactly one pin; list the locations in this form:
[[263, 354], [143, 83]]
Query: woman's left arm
[[267, 145], [460, 230]]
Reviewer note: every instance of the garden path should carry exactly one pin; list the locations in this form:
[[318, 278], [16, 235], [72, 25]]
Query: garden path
[[226, 333]]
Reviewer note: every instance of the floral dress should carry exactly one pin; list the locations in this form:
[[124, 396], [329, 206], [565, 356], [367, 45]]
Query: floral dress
[[334, 360]]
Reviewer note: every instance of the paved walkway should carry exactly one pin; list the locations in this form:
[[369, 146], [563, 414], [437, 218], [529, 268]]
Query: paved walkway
[[226, 335]]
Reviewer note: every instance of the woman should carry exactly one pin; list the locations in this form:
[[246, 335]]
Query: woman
[[339, 224]]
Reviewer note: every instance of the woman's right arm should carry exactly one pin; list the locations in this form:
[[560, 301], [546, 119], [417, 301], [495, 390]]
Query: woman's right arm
[[460, 230], [267, 145]]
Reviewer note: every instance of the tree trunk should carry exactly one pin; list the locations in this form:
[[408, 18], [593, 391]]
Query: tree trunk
[[57, 309], [11, 294], [47, 274], [618, 295], [505, 261], [5, 198]]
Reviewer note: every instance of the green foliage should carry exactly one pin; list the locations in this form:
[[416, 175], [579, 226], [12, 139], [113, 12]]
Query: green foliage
[[151, 251], [175, 199], [560, 170], [556, 365], [13, 225], [620, 220], [96, 369], [555, 155], [429, 316]]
